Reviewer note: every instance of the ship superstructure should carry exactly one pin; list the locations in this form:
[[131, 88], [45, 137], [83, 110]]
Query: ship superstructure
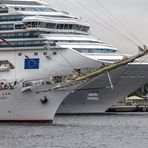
[[36, 30]]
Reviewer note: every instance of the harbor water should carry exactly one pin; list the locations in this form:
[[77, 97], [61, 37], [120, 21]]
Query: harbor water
[[93, 131]]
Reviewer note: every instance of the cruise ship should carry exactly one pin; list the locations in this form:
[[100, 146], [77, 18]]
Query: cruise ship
[[43, 50], [32, 66]]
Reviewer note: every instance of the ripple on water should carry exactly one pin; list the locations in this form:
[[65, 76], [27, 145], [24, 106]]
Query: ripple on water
[[99, 131]]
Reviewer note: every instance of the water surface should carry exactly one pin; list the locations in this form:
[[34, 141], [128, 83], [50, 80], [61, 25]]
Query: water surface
[[99, 131]]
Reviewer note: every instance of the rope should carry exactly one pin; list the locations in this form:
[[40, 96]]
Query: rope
[[74, 69], [117, 20], [121, 34], [139, 93]]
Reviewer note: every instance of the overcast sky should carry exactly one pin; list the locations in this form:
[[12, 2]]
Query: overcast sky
[[132, 13]]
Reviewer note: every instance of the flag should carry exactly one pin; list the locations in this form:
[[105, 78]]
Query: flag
[[31, 63]]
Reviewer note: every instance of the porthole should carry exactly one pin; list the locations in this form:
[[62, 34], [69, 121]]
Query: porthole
[[1, 83], [35, 53], [54, 53], [19, 54], [45, 53]]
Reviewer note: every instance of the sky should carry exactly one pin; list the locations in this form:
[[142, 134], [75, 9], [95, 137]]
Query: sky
[[106, 16]]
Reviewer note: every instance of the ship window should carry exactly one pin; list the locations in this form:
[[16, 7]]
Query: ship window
[[19, 54], [3, 9], [54, 53], [61, 26], [11, 18], [93, 96], [45, 53], [16, 8], [19, 26], [70, 26], [1, 83], [20, 2], [35, 53], [94, 50], [6, 27], [35, 9], [66, 26], [85, 29], [23, 9]]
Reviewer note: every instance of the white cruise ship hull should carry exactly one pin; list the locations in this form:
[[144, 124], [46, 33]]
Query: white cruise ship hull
[[17, 105], [98, 96]]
